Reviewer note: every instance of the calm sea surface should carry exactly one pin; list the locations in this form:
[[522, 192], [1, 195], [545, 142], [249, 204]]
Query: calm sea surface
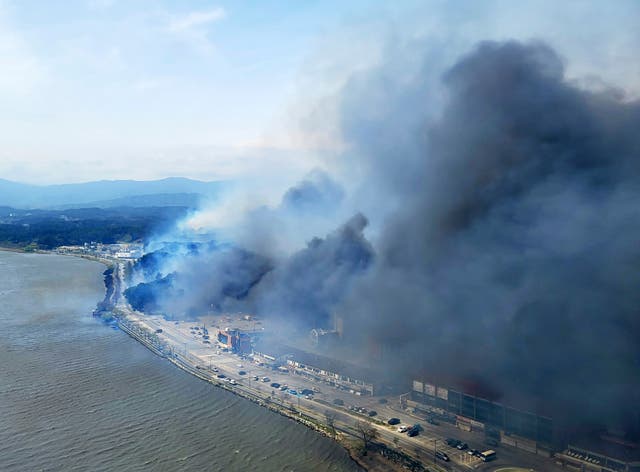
[[76, 395]]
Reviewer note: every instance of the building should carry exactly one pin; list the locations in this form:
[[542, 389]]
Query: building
[[510, 425], [604, 454], [323, 339], [320, 368], [234, 340]]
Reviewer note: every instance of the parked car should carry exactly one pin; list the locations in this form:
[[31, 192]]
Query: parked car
[[393, 421], [403, 428], [372, 413], [462, 446], [452, 442], [338, 401], [442, 456], [275, 385]]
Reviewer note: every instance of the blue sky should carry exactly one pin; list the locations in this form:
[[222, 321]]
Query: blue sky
[[95, 89]]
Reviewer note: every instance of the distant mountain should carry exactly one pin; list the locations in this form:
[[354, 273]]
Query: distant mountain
[[189, 200], [174, 191]]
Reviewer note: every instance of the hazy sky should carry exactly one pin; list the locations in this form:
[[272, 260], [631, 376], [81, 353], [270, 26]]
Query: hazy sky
[[102, 89]]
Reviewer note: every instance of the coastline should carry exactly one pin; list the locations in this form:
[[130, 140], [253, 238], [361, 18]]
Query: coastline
[[112, 309], [379, 458]]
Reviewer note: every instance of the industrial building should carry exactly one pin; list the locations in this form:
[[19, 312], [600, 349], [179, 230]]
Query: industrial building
[[511, 426]]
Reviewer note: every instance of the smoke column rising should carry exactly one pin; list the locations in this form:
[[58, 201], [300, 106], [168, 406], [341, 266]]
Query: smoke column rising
[[507, 234], [513, 255]]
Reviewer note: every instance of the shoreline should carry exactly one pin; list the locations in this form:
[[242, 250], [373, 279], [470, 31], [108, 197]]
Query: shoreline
[[380, 457]]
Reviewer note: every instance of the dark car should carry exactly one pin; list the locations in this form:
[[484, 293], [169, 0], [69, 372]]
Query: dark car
[[338, 401], [242, 372], [442, 456], [372, 413], [307, 391], [393, 421], [452, 442], [221, 376], [275, 385], [413, 432]]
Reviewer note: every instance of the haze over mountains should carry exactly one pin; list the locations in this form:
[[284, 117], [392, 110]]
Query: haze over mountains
[[174, 191]]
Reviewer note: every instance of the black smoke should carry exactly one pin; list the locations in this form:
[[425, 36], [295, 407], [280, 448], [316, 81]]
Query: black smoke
[[513, 255], [306, 287]]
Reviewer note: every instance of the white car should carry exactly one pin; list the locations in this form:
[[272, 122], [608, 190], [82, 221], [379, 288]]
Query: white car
[[403, 428]]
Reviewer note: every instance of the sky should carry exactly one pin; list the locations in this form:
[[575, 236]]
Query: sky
[[142, 89]]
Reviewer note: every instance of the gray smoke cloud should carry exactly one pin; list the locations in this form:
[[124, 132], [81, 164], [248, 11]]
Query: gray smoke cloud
[[300, 288], [513, 253], [306, 287], [506, 249]]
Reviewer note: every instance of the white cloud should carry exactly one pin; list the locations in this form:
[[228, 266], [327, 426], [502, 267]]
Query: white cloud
[[193, 28], [196, 20]]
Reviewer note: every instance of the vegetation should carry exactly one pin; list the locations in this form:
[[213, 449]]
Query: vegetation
[[367, 434], [47, 229]]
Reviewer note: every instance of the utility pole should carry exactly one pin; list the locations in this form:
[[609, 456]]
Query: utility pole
[[434, 450]]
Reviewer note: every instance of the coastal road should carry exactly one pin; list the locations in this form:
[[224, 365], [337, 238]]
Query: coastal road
[[180, 338]]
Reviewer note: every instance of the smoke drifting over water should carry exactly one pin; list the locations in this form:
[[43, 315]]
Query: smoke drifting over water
[[512, 252]]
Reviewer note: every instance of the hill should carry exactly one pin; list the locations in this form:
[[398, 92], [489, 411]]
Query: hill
[[173, 191]]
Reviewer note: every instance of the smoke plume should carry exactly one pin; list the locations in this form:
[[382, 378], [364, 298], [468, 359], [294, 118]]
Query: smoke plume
[[513, 254], [507, 245]]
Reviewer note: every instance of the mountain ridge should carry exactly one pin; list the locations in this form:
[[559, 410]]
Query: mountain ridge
[[172, 191]]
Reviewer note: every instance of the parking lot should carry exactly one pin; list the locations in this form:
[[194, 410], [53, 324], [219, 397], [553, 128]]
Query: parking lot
[[429, 444]]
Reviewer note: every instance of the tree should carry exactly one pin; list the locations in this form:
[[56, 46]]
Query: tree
[[366, 432], [330, 418]]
